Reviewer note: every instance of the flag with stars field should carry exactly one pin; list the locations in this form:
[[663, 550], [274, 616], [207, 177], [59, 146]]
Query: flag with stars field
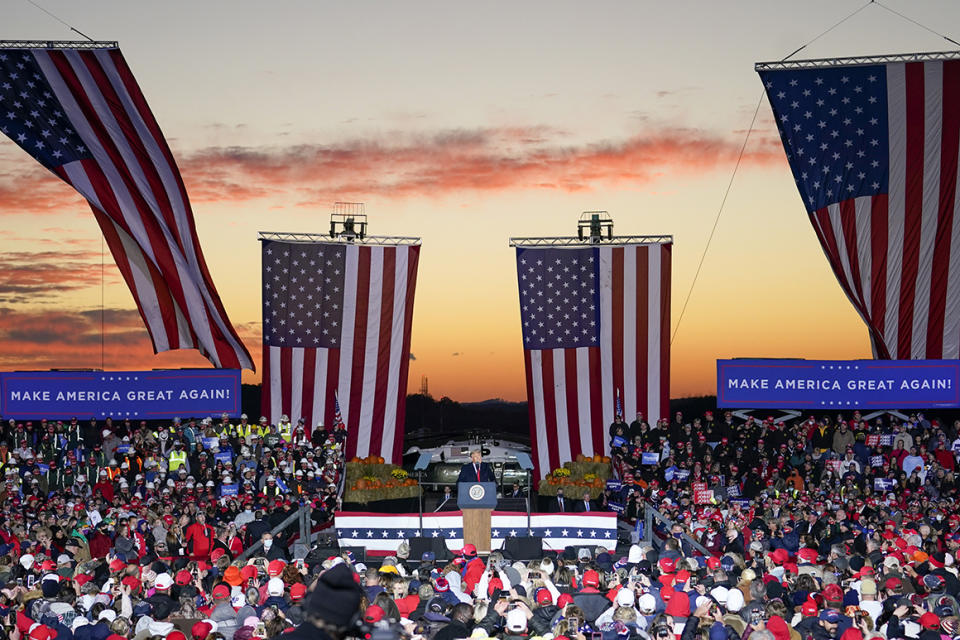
[[596, 333], [80, 113], [873, 147], [336, 325]]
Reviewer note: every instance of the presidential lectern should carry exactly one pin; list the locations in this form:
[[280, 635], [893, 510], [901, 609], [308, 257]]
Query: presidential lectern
[[476, 500]]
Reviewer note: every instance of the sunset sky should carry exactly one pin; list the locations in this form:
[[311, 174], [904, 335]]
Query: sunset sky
[[464, 124]]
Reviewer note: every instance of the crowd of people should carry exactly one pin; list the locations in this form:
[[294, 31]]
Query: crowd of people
[[816, 529]]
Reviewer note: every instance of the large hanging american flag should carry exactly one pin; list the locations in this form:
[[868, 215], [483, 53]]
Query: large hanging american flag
[[595, 321], [873, 149], [336, 322], [81, 114]]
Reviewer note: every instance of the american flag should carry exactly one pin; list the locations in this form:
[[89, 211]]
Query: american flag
[[594, 320], [873, 149], [336, 320], [381, 533], [337, 416], [81, 114]]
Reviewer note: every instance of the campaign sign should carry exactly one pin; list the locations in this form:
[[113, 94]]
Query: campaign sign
[[883, 484], [229, 490], [210, 442], [223, 456], [614, 485], [147, 395], [703, 496], [650, 458], [869, 384]]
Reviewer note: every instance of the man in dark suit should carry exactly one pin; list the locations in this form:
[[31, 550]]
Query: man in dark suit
[[561, 504], [476, 470], [586, 504]]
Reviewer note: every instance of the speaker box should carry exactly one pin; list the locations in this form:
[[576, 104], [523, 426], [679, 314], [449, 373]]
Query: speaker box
[[523, 548], [419, 546]]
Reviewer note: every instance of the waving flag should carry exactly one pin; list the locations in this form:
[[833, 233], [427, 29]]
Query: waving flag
[[80, 113], [337, 416], [336, 319], [873, 149], [594, 320]]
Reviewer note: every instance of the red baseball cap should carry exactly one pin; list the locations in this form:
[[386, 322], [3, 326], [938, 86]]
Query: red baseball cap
[[275, 568], [374, 614], [591, 578], [469, 550], [298, 591], [667, 565], [201, 630], [543, 596], [221, 591]]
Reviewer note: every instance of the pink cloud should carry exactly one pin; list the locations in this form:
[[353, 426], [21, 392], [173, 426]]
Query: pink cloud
[[421, 165]]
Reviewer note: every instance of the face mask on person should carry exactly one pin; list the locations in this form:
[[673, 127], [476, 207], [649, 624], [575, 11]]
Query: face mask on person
[[267, 544]]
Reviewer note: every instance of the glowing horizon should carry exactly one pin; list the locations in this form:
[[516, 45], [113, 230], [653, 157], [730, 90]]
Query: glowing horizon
[[466, 128]]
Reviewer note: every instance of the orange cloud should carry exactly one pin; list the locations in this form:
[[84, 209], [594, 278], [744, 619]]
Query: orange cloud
[[38, 276], [416, 165], [35, 339], [484, 159], [31, 189]]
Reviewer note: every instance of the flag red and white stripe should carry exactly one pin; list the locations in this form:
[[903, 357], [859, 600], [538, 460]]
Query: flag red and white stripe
[[895, 248], [368, 365], [129, 176], [897, 255], [571, 392]]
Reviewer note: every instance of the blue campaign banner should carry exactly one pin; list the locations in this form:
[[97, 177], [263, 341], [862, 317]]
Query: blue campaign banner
[[614, 485], [650, 458], [124, 448], [864, 384], [883, 484], [148, 395], [210, 443], [229, 490], [223, 456]]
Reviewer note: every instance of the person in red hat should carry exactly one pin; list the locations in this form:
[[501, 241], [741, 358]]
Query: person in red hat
[[200, 538], [589, 598], [474, 568]]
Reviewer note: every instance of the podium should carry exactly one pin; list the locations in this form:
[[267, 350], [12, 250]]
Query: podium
[[476, 500]]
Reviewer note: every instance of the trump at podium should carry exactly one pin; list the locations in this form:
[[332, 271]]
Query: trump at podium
[[476, 470]]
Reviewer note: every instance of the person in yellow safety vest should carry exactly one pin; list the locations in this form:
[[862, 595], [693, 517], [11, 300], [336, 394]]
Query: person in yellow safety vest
[[285, 428], [270, 489], [244, 429], [225, 427], [113, 470], [264, 428], [178, 458]]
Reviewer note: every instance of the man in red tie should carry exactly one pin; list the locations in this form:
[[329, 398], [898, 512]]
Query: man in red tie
[[476, 470]]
